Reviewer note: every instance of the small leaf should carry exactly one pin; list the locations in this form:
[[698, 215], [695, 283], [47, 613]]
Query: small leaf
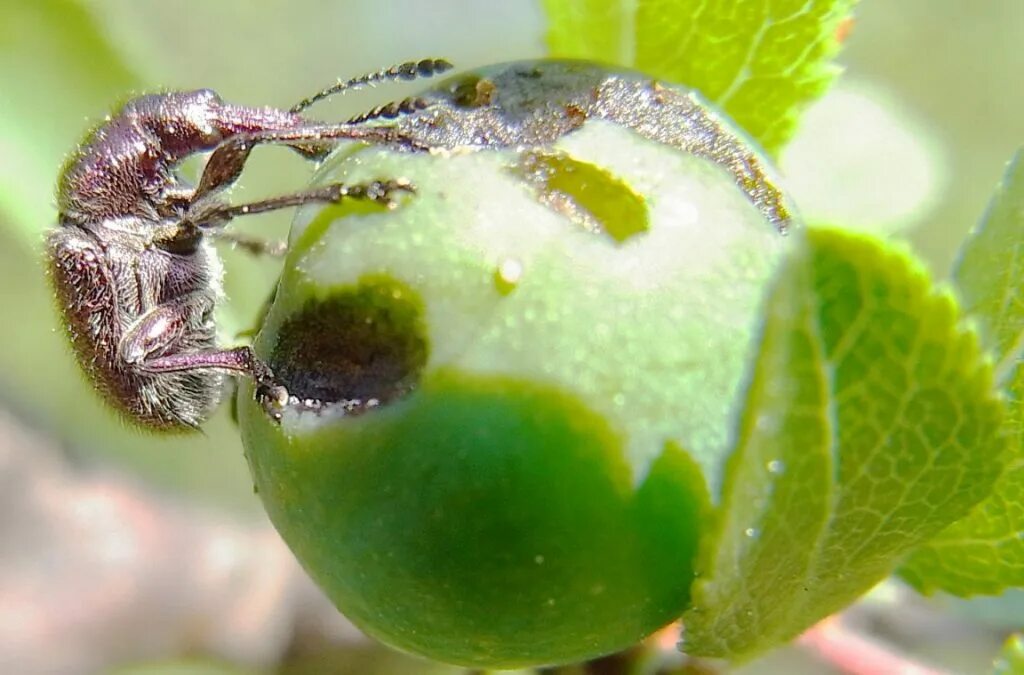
[[870, 425], [759, 60], [1011, 659], [598, 29], [990, 271], [984, 552]]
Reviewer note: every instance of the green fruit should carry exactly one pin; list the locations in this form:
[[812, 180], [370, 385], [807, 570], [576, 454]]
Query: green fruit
[[513, 390]]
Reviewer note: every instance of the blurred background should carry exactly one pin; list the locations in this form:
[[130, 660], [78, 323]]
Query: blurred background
[[126, 552]]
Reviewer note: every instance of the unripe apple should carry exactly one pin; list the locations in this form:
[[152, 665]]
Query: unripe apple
[[512, 393]]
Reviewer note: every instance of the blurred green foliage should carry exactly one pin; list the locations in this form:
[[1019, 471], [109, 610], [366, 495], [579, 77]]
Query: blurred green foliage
[[1011, 660]]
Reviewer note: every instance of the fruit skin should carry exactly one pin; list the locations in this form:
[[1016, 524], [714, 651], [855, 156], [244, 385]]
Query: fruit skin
[[484, 521], [529, 485]]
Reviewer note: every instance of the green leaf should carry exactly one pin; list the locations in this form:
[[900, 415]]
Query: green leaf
[[1011, 658], [984, 552], [602, 30], [759, 60], [870, 425], [990, 271]]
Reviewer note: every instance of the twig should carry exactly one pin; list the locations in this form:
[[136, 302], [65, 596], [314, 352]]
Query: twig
[[855, 654]]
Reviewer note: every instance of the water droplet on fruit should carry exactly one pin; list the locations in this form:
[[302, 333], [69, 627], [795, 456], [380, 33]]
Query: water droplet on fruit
[[508, 275]]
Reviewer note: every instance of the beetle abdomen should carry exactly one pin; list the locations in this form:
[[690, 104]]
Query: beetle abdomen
[[87, 291]]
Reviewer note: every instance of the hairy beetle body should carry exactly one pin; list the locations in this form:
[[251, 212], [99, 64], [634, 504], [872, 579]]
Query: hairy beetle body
[[104, 285]]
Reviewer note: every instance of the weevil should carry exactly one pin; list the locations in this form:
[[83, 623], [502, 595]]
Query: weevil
[[130, 259]]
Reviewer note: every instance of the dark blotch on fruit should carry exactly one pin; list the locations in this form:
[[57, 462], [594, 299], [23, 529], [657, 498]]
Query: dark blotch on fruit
[[473, 92], [587, 194], [360, 347]]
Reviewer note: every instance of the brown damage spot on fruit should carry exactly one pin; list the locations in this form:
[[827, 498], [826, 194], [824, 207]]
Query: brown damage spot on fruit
[[587, 194], [473, 92], [358, 348]]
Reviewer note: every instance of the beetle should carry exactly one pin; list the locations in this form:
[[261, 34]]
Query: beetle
[[130, 259]]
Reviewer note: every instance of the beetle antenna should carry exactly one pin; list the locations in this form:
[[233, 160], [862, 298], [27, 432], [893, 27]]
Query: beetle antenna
[[391, 110], [409, 70]]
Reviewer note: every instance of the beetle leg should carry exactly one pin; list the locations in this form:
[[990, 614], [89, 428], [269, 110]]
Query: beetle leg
[[158, 328], [253, 245], [239, 360], [163, 325], [381, 192], [228, 159], [224, 165]]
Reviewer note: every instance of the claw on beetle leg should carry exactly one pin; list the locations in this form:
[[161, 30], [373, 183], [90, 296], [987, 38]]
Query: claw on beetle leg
[[382, 192], [273, 398]]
